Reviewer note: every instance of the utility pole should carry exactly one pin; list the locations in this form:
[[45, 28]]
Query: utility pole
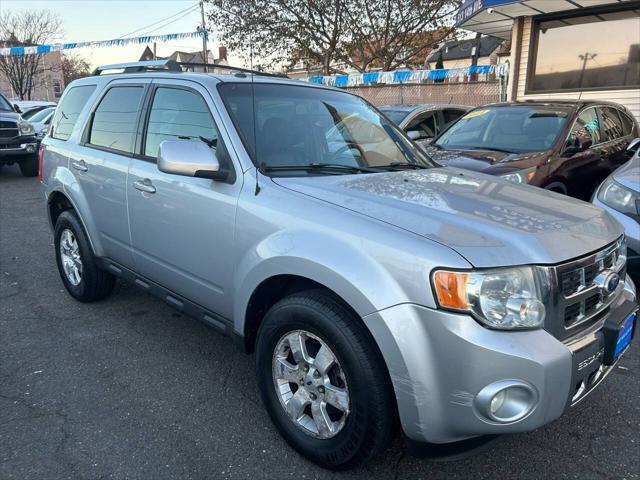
[[475, 53], [585, 58], [204, 36]]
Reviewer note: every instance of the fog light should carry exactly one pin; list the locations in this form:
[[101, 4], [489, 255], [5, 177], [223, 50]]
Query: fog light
[[507, 401], [31, 148]]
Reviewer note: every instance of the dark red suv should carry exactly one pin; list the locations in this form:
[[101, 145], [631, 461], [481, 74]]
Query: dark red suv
[[564, 146]]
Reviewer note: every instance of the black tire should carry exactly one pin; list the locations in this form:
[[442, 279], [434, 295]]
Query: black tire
[[29, 166], [370, 424], [95, 283]]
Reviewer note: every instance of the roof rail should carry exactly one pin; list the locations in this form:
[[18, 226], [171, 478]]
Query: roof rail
[[173, 66], [234, 69], [133, 67]]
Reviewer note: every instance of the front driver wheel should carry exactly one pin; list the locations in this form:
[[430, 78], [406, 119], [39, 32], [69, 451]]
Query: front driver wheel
[[323, 381]]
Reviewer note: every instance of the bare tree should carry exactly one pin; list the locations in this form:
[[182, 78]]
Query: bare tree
[[359, 33], [74, 67], [393, 33], [22, 29], [281, 30]]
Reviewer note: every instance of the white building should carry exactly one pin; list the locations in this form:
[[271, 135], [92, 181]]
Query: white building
[[569, 49]]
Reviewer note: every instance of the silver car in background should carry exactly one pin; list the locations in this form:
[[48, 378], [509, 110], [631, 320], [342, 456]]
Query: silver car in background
[[422, 122], [619, 194]]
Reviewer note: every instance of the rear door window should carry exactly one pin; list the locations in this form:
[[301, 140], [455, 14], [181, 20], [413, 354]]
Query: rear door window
[[66, 116], [115, 120], [178, 114], [611, 125]]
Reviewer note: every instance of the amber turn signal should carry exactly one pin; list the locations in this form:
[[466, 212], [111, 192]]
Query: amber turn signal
[[451, 289]]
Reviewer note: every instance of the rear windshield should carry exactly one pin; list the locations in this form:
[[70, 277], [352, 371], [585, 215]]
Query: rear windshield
[[515, 128], [289, 125]]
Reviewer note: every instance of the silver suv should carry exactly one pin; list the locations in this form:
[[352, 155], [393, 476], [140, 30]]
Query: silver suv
[[374, 286]]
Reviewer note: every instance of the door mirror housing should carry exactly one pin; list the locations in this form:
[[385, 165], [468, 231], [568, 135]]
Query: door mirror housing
[[633, 147], [189, 158], [17, 108], [580, 144]]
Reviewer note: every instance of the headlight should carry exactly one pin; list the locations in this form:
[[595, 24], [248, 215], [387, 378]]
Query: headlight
[[520, 176], [506, 299], [618, 197], [26, 128]]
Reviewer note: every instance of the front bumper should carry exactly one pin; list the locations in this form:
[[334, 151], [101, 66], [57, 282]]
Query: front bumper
[[439, 363], [17, 147]]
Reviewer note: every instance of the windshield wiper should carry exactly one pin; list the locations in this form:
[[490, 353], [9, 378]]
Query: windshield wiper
[[335, 167], [489, 149], [403, 165]]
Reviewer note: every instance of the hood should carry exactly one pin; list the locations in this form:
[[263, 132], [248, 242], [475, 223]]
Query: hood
[[629, 174], [482, 160], [487, 220], [9, 117]]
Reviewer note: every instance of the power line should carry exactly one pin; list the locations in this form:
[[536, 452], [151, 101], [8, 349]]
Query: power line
[[192, 7], [169, 22]]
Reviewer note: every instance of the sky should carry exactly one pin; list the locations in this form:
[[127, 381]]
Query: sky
[[86, 20]]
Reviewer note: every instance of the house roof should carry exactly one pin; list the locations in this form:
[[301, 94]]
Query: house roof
[[459, 49], [180, 56]]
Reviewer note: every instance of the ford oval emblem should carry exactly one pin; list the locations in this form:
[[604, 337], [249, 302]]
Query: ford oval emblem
[[608, 281]]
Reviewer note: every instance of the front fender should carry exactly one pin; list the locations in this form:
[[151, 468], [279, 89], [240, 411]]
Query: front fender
[[336, 263]]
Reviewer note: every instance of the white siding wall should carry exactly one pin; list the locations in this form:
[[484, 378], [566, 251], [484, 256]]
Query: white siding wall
[[630, 98]]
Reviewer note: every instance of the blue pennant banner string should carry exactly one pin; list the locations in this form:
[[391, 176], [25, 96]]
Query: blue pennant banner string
[[408, 76], [116, 42]]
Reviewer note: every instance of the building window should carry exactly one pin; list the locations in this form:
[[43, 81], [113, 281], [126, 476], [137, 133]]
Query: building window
[[57, 88], [590, 52]]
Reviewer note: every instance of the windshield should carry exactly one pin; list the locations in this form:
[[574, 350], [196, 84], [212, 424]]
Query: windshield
[[40, 115], [5, 106], [513, 128], [298, 126]]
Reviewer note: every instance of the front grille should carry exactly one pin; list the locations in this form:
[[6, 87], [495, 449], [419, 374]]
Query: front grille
[[8, 132], [581, 299], [6, 124]]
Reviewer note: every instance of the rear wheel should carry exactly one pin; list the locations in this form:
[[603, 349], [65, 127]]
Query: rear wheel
[[29, 166], [77, 265], [323, 381]]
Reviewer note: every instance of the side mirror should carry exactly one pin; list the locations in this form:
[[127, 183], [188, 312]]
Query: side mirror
[[633, 147], [189, 158], [17, 108], [580, 144]]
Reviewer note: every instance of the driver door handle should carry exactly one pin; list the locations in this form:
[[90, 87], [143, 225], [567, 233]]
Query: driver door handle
[[144, 186], [80, 165]]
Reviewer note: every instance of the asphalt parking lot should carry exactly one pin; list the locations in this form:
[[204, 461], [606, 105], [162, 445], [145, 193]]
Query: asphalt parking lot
[[128, 388]]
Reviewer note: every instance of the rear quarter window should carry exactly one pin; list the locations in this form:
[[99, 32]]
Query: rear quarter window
[[66, 116]]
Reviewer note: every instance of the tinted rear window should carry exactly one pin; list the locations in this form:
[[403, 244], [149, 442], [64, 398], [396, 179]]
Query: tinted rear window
[[115, 120], [67, 112]]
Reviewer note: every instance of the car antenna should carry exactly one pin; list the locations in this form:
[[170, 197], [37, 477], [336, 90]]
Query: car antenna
[[253, 107]]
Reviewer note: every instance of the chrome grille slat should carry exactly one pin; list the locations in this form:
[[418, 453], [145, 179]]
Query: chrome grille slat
[[579, 300]]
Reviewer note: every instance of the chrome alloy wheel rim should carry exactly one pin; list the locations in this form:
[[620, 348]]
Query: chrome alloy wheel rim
[[70, 256], [310, 384]]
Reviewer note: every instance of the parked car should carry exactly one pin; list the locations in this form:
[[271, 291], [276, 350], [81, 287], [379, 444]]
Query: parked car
[[41, 120], [17, 140], [619, 194], [564, 146], [423, 122], [372, 287], [26, 107]]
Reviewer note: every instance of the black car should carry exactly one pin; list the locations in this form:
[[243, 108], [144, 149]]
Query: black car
[[565, 146], [17, 140]]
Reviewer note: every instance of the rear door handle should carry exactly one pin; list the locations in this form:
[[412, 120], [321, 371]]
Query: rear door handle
[[144, 186], [80, 165]]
